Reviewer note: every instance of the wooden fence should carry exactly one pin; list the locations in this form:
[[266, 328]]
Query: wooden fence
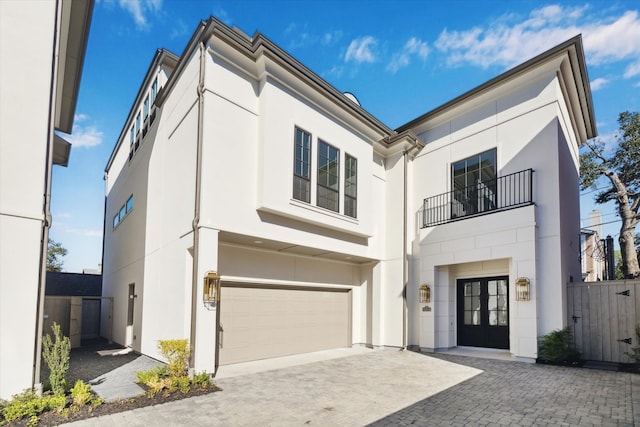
[[78, 317], [604, 316]]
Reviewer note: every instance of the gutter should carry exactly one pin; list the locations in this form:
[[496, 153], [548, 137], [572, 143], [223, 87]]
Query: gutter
[[196, 214], [46, 208], [405, 252]]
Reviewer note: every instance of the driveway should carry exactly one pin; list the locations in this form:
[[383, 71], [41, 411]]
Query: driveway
[[404, 388]]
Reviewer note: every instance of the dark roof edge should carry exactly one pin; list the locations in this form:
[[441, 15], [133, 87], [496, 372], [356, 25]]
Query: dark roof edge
[[575, 42], [158, 58], [252, 44]]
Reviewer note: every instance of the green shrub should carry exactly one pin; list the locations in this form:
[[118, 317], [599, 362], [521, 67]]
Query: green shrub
[[182, 384], [156, 385], [177, 353], [635, 351], [201, 380], [56, 355], [144, 377], [81, 393], [29, 404], [558, 346]]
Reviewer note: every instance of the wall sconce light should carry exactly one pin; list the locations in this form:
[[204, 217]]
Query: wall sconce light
[[523, 289], [211, 288], [425, 294]]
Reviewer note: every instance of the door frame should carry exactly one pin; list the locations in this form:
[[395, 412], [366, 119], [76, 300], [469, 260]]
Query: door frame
[[484, 335]]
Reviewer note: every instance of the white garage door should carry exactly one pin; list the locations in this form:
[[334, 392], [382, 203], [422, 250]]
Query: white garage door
[[258, 322]]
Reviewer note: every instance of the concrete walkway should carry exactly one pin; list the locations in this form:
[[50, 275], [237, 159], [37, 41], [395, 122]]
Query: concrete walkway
[[404, 388]]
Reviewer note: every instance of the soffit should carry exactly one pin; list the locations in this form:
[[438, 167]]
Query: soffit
[[74, 33], [258, 243]]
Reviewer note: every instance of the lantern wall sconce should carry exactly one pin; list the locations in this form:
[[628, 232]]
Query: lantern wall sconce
[[211, 288], [523, 289], [425, 294]]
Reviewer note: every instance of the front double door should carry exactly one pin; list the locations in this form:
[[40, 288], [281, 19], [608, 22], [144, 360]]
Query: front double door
[[483, 312]]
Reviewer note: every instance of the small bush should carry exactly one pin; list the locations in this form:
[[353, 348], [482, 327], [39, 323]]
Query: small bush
[[144, 377], [177, 353], [558, 346], [201, 380], [81, 393], [29, 404], [182, 384], [156, 385], [56, 354], [635, 351]]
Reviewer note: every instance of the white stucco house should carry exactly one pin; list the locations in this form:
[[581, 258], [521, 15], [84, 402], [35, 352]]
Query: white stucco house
[[42, 47], [324, 224]]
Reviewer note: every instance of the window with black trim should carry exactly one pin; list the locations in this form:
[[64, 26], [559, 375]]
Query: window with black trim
[[123, 212], [302, 166], [474, 184], [154, 90], [350, 186], [328, 187]]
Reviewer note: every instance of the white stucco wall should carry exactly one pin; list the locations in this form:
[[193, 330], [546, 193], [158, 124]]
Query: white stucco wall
[[523, 122], [247, 170], [24, 110]]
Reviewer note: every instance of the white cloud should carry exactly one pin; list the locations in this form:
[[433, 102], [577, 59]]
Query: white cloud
[[335, 71], [508, 42], [413, 47], [598, 83], [139, 10], [178, 29], [331, 37], [361, 50], [632, 70], [84, 135]]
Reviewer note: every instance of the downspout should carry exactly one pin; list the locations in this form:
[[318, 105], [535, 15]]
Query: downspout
[[195, 224], [404, 253], [44, 237]]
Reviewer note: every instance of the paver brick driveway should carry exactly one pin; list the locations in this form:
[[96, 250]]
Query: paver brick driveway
[[404, 388]]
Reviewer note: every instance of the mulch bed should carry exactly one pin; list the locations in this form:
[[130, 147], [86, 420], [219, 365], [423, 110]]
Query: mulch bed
[[53, 419], [86, 364]]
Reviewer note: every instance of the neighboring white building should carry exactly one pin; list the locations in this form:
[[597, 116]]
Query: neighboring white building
[[592, 249], [237, 159], [42, 46]]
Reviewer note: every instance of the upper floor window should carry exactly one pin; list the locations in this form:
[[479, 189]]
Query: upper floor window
[[302, 166], [474, 184], [138, 123], [154, 90], [350, 186], [328, 188], [146, 107], [132, 135], [123, 212]]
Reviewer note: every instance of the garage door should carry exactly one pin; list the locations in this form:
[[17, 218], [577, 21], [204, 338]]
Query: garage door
[[259, 323]]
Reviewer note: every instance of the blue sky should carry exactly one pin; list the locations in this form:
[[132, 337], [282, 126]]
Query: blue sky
[[400, 58]]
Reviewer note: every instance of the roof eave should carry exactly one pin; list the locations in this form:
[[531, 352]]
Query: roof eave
[[74, 35]]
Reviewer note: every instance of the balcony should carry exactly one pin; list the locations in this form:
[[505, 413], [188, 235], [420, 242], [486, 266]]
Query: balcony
[[496, 195]]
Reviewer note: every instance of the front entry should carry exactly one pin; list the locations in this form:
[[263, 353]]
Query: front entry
[[483, 312]]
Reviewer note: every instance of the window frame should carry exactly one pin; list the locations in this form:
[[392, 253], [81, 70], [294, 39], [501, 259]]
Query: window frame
[[154, 90], [322, 187], [145, 108], [475, 197], [301, 161], [348, 185], [123, 212]]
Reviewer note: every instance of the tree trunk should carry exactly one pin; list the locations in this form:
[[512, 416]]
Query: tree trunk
[[630, 267]]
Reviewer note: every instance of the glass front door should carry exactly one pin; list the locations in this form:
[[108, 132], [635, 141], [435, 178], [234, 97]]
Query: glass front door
[[483, 312]]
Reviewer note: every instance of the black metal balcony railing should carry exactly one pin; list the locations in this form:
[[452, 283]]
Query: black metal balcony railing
[[499, 194]]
